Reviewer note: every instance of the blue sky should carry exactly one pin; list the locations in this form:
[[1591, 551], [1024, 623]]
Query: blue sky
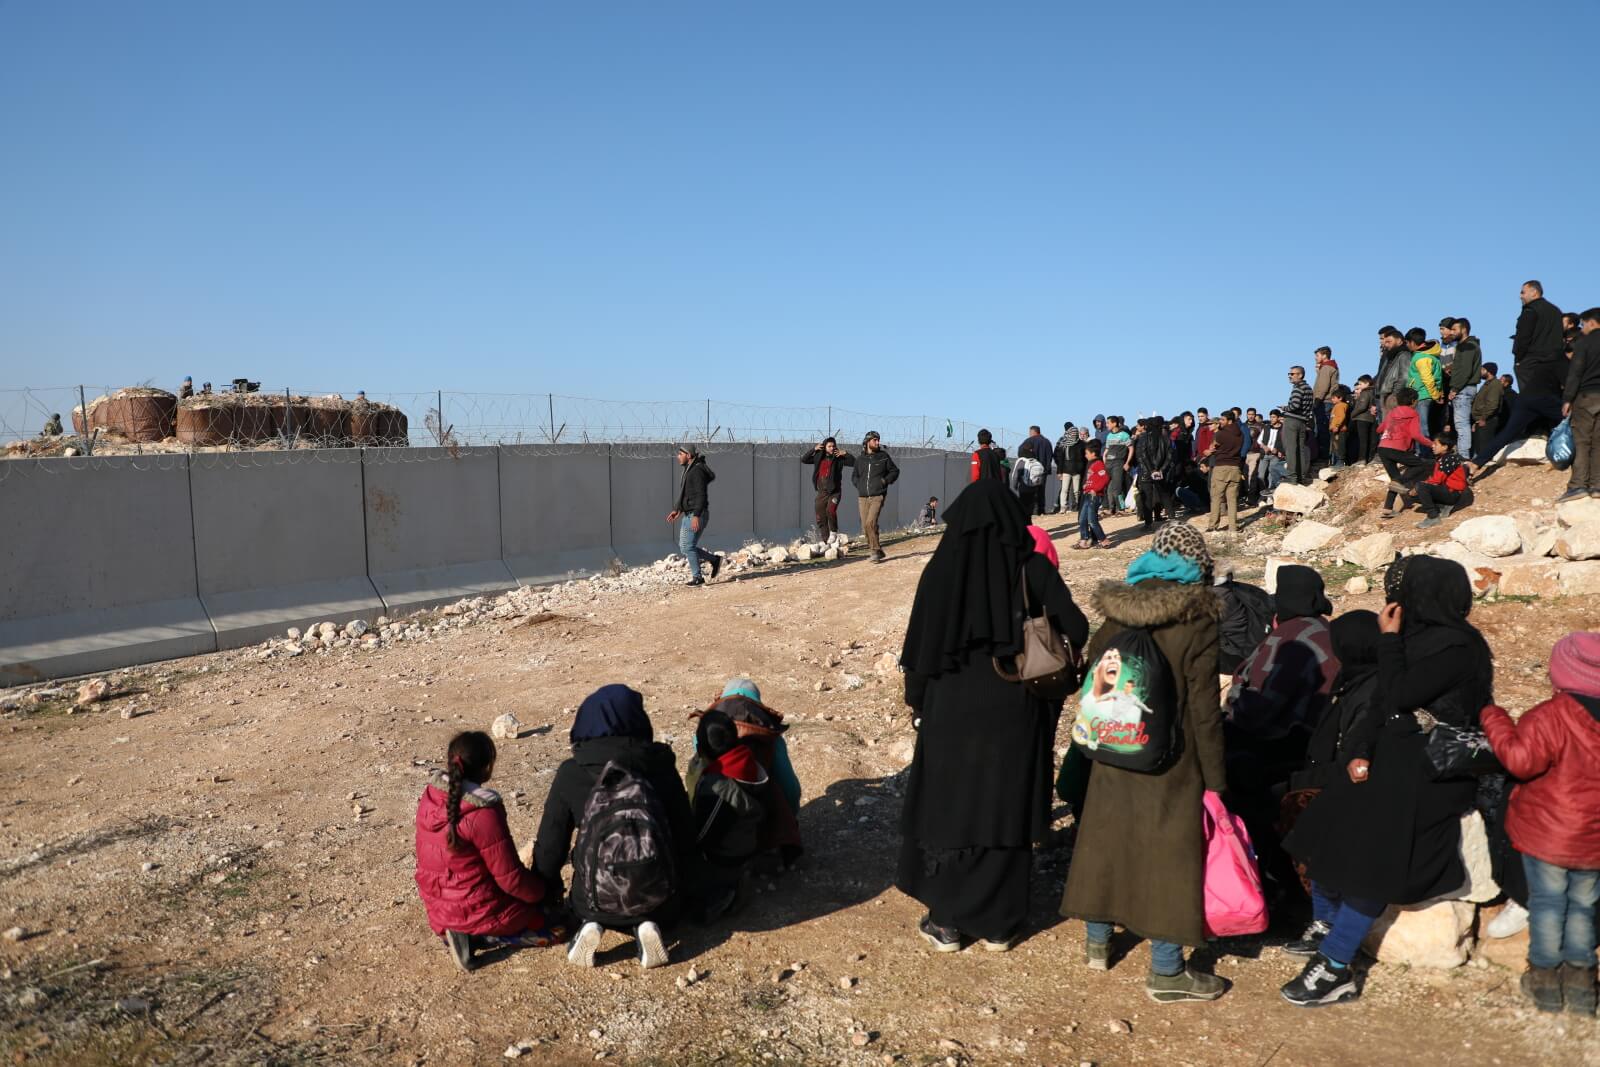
[[1006, 212]]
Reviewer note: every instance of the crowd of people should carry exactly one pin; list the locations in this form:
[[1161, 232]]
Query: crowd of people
[[1354, 749]]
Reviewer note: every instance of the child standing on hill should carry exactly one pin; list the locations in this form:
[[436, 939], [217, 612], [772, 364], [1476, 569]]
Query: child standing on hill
[[1554, 821], [1095, 481], [1446, 488], [476, 891], [1339, 426]]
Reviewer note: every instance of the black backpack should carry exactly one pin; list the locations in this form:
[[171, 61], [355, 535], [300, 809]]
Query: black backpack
[[1128, 707], [729, 817], [623, 864], [1247, 613]]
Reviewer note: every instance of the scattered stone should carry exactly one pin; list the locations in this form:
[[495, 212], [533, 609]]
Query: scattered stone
[[355, 628], [327, 631], [292, 633], [133, 1005], [505, 726], [93, 691], [1576, 512], [1370, 552], [1119, 1026], [1580, 541], [1358, 586], [832, 553], [860, 1040], [1300, 499], [33, 996], [1524, 453], [133, 712], [821, 687], [1308, 536], [888, 663], [1436, 935], [1489, 535], [14, 934], [847, 982], [1540, 579], [514, 1051], [853, 682], [596, 1034], [1327, 474], [1580, 579], [1269, 580], [148, 866]]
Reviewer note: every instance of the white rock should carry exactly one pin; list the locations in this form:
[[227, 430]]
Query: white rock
[[1543, 543], [327, 631], [1574, 512], [1269, 580], [1358, 586], [1437, 935], [1482, 571], [382, 621], [1489, 535], [1579, 542], [831, 554], [293, 633], [778, 554], [888, 663], [1481, 886], [1308, 536], [1523, 453], [1370, 552], [94, 691], [14, 934], [853, 682], [1300, 499], [1580, 579], [355, 628], [1541, 578], [505, 726]]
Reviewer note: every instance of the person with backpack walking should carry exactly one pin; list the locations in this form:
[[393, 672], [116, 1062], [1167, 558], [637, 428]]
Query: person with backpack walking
[[1388, 830], [477, 892], [1554, 821], [872, 474], [1037, 448], [693, 512], [619, 809], [828, 462], [1141, 850], [977, 794]]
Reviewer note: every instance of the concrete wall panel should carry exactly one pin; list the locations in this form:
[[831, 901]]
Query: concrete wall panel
[[777, 494], [849, 510], [921, 476], [644, 487], [555, 511], [957, 473], [98, 566], [280, 541], [433, 525], [733, 506]]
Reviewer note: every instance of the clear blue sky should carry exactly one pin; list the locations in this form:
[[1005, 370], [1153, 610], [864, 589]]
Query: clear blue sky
[[1007, 212]]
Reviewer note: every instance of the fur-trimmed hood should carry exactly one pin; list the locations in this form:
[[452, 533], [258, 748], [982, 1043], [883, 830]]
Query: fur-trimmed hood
[[1155, 603]]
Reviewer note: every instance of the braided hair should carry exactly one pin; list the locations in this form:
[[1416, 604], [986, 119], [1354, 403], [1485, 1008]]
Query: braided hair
[[470, 758]]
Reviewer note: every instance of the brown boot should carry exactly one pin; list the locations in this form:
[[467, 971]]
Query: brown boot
[[1578, 989], [1543, 986]]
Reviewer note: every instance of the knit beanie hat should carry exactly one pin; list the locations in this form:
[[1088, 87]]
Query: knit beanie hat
[[1575, 664], [742, 687]]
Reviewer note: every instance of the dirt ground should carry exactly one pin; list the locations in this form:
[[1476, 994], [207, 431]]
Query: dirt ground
[[228, 879]]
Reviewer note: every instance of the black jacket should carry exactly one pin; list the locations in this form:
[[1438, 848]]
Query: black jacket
[[841, 460], [1467, 367], [873, 473], [1539, 337], [1069, 457], [1583, 376], [692, 496], [1038, 447], [569, 792]]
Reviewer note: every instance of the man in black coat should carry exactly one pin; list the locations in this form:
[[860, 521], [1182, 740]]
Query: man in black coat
[[693, 512], [1036, 446], [1540, 348]]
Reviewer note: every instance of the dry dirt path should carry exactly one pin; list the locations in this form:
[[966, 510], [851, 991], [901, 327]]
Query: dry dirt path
[[228, 878]]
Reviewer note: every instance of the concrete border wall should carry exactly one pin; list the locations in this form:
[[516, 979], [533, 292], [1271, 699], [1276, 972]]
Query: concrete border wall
[[97, 569], [779, 515], [280, 541], [555, 511], [921, 476], [733, 503], [433, 525], [644, 487]]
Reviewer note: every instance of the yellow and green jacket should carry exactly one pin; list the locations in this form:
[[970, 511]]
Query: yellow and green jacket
[[1427, 373]]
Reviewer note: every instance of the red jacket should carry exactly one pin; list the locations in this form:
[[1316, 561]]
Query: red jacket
[[1555, 812], [1401, 429], [1455, 479], [481, 887], [1096, 479]]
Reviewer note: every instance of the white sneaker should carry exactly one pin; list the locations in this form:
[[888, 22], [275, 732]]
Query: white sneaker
[[652, 949], [1512, 920], [581, 952]]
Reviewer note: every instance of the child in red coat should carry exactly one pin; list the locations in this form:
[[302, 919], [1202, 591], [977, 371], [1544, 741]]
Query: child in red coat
[[1554, 821], [477, 892], [1446, 488], [1095, 481], [1401, 431]]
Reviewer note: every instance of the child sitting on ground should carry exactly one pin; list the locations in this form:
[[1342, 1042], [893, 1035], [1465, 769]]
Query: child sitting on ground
[[476, 891], [1446, 488], [1554, 822], [762, 730], [619, 808], [730, 793], [1399, 433]]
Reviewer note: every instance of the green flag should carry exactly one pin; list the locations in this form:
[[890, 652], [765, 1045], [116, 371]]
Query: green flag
[[949, 428]]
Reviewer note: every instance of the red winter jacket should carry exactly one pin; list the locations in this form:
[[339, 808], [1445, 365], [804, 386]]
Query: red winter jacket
[[1401, 429], [1555, 812], [481, 887], [1096, 479]]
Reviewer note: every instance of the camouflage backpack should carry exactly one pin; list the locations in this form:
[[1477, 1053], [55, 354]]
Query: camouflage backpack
[[623, 864]]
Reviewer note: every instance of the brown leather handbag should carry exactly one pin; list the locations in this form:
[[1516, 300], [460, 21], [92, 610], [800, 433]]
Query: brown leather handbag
[[1048, 665]]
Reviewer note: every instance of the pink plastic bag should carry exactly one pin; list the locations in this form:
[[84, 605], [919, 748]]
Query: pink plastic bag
[[1234, 902]]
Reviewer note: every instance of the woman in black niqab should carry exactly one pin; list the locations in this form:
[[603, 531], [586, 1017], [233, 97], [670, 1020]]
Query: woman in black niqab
[[978, 791]]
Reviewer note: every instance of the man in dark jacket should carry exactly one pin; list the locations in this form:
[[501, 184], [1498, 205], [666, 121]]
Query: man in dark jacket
[[827, 476], [1465, 372], [1298, 416], [1581, 404], [874, 473], [694, 512], [1541, 368], [1037, 447], [1394, 366], [1070, 465]]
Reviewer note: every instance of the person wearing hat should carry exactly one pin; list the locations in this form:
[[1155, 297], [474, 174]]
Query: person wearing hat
[[52, 426], [693, 512], [1554, 822], [763, 729], [874, 472], [186, 390], [828, 462]]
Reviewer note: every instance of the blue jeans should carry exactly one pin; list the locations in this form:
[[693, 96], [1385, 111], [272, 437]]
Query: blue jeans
[[1461, 415], [1275, 469], [1349, 919], [1424, 407], [689, 542], [1089, 520], [1166, 958], [1560, 914]]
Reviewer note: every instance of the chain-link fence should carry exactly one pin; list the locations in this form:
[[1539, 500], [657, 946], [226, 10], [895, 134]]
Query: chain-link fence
[[102, 420]]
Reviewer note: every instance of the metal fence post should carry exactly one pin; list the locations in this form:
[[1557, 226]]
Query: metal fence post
[[88, 438]]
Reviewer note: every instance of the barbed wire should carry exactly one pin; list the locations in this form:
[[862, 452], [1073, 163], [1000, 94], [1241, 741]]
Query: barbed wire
[[144, 421]]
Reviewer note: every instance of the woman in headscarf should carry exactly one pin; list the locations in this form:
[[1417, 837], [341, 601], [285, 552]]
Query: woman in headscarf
[[978, 794], [1279, 696], [612, 727], [1140, 855], [1158, 470], [1385, 831]]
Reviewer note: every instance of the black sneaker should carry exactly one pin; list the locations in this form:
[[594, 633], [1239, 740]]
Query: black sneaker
[[716, 565], [695, 581], [460, 948], [879, 556], [1321, 984], [1572, 494], [941, 938], [1310, 942]]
